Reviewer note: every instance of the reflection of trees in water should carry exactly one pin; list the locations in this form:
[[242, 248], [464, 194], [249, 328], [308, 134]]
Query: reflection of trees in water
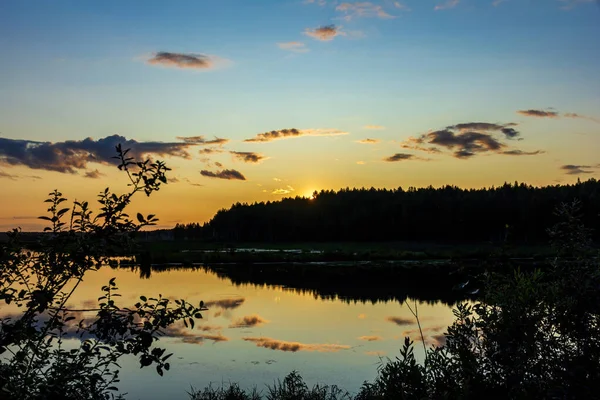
[[350, 284]]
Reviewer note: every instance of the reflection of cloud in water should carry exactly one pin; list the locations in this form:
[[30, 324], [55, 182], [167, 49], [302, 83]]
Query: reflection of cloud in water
[[400, 320], [227, 304], [375, 353], [248, 321], [370, 338], [188, 336], [432, 335], [209, 328], [362, 316], [282, 345]]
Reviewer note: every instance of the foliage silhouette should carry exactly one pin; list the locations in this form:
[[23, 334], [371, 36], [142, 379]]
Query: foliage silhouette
[[38, 362]]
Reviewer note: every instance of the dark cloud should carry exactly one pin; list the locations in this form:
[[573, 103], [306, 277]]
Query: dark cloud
[[181, 60], [188, 180], [293, 132], [399, 157], [95, 174], [229, 174], [324, 33], [227, 304], [209, 328], [201, 140], [209, 151], [571, 169], [73, 155], [538, 113], [522, 153], [248, 156], [282, 345], [248, 321], [467, 140], [400, 320]]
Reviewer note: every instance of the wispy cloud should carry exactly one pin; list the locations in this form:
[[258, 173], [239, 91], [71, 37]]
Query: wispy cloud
[[522, 152], [282, 345], [229, 174], [375, 127], [539, 113], [363, 9], [293, 132], [248, 156], [201, 140], [372, 338], [446, 5], [496, 3], [286, 190], [295, 47], [248, 321], [181, 60], [361, 162], [73, 155], [325, 33], [579, 116], [95, 174], [569, 4], [368, 141], [8, 176]]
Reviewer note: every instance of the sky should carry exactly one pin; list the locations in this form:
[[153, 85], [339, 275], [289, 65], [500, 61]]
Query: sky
[[255, 100]]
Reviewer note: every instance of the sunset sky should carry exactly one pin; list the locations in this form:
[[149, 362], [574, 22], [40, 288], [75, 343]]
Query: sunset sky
[[254, 100]]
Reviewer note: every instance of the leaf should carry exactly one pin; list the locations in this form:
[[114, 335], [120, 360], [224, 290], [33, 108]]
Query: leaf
[[140, 217], [192, 322], [143, 298]]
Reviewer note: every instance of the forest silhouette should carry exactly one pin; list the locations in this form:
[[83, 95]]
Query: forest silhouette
[[511, 213]]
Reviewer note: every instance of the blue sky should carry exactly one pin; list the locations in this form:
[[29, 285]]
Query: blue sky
[[78, 69]]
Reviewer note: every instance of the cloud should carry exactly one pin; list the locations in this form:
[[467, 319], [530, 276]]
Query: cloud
[[277, 179], [181, 60], [227, 304], [466, 140], [400, 157], [400, 321], [8, 176], [571, 169], [518, 152], [368, 141], [248, 321], [248, 156], [447, 4], [539, 113], [361, 162], [73, 155], [496, 3], [229, 174], [286, 190], [370, 338], [569, 4], [376, 127], [401, 6], [282, 345], [293, 132], [363, 9], [295, 47], [209, 150], [319, 2], [324, 33], [188, 180], [575, 115], [200, 140], [95, 174]]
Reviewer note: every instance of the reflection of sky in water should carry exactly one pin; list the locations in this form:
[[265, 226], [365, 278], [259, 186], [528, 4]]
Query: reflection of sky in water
[[254, 335]]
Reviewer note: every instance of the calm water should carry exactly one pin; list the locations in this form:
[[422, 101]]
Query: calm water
[[254, 335]]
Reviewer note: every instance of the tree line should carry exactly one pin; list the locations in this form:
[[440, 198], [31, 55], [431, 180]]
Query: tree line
[[511, 213]]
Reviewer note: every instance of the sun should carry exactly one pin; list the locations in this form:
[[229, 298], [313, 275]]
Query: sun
[[309, 194]]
